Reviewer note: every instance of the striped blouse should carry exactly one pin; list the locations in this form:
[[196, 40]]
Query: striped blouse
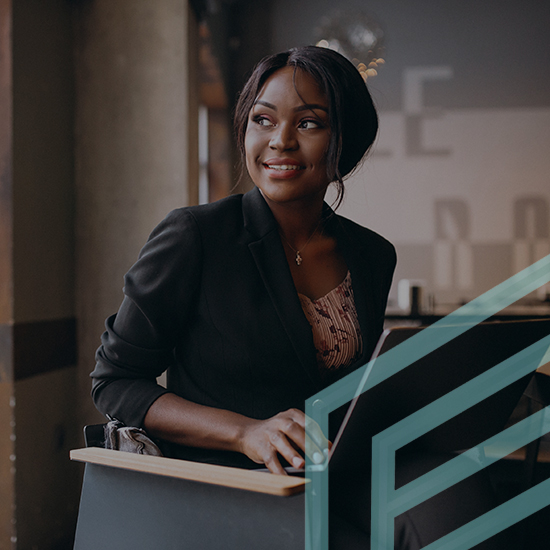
[[335, 326]]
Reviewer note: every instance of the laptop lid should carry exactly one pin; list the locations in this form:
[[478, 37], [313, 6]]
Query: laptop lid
[[480, 348]]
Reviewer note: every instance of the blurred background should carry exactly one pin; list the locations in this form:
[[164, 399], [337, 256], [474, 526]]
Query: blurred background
[[113, 113]]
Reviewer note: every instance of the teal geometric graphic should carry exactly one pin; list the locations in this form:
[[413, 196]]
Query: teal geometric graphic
[[387, 502]]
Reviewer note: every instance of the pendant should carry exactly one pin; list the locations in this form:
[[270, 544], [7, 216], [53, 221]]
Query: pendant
[[298, 258]]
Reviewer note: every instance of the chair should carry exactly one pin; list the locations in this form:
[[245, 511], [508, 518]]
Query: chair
[[94, 435]]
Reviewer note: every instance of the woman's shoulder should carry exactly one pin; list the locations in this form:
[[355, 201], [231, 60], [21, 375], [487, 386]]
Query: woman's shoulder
[[187, 222], [178, 244]]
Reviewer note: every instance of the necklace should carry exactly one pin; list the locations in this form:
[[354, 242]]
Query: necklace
[[298, 259]]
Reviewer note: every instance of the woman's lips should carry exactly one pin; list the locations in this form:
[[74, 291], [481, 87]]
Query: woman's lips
[[282, 168]]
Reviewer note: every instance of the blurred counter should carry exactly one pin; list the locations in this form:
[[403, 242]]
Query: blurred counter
[[398, 317]]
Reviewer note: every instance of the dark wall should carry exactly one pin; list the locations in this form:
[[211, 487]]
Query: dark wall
[[499, 49]]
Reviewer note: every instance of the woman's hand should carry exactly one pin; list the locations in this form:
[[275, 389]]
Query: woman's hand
[[284, 434], [176, 419]]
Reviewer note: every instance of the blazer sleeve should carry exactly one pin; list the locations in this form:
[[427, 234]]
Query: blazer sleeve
[[139, 340]]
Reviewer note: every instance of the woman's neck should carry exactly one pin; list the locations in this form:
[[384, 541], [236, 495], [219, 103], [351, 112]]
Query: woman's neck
[[298, 223]]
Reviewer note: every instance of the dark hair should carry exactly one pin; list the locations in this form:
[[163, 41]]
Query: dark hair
[[352, 116]]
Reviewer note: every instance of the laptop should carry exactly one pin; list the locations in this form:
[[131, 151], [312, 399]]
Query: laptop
[[478, 349]]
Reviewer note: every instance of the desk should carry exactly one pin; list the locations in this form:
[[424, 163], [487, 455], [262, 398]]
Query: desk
[[132, 501]]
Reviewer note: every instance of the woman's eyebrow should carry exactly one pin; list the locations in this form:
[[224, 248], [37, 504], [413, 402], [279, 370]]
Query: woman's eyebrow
[[311, 107], [304, 107], [265, 104]]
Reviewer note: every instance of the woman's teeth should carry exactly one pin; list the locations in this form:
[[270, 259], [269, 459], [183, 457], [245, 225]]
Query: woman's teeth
[[283, 167]]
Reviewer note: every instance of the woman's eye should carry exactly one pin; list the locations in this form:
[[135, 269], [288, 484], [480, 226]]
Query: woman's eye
[[262, 121], [309, 124]]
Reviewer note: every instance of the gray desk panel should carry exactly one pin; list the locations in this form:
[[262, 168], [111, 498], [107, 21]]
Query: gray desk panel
[[122, 509]]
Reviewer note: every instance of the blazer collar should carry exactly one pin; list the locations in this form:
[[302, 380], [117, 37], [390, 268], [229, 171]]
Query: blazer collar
[[258, 219], [268, 253]]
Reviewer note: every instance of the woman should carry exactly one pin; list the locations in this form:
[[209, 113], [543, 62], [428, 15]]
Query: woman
[[256, 302], [219, 292]]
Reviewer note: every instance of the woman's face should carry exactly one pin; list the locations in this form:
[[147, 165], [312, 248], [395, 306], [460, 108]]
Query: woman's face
[[287, 138]]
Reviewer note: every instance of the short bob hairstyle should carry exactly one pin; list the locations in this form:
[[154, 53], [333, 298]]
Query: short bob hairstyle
[[352, 116]]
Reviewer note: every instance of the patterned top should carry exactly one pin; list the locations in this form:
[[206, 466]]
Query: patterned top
[[335, 326]]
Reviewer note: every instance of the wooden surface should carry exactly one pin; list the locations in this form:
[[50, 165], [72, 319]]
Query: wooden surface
[[236, 478], [544, 369], [543, 454]]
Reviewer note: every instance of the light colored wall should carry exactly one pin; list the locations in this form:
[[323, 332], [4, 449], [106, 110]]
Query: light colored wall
[[461, 159], [131, 149]]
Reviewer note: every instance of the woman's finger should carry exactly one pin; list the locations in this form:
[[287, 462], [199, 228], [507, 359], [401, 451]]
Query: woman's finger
[[298, 436], [313, 451], [274, 466], [285, 443], [316, 434], [306, 434]]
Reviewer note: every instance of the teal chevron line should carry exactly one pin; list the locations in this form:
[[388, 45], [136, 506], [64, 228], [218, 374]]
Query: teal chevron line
[[495, 521], [431, 416], [400, 357], [458, 400], [466, 464]]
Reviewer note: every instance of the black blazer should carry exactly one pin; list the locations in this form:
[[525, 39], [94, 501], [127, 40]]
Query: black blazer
[[211, 299]]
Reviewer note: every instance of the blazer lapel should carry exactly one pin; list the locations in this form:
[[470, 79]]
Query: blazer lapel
[[268, 253], [359, 263]]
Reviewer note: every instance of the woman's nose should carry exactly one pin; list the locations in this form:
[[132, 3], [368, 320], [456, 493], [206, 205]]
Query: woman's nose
[[283, 138]]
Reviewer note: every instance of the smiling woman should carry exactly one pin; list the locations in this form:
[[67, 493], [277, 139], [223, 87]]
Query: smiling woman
[[256, 302], [351, 116], [287, 139]]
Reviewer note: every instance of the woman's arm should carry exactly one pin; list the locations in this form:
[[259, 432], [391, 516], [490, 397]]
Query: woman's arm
[[127, 393], [138, 345], [183, 422]]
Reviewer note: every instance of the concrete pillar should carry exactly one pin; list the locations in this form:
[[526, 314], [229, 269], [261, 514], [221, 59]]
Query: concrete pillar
[[132, 143], [94, 138]]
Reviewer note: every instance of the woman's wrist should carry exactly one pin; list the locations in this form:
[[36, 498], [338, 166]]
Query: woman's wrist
[[175, 419]]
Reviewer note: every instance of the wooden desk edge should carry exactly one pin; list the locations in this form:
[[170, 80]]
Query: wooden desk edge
[[544, 369], [235, 478]]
